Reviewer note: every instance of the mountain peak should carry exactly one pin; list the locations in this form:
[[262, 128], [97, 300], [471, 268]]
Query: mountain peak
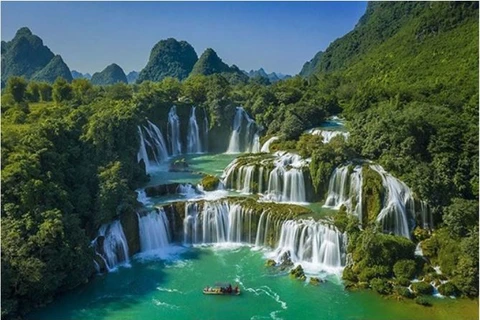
[[169, 58], [26, 55], [24, 31], [112, 74], [54, 69]]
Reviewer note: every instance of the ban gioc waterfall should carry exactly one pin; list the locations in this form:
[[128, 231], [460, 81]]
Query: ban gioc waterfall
[[345, 190]]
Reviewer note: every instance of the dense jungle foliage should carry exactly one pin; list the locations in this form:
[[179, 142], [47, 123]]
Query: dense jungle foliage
[[406, 79]]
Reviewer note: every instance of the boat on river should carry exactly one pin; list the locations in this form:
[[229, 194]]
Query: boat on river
[[220, 288]]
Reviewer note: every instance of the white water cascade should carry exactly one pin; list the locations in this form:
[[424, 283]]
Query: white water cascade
[[205, 131], [279, 177], [217, 222], [345, 188], [329, 135], [312, 243], [115, 247], [154, 142], [398, 206], [286, 182], [250, 140], [153, 230], [174, 132], [194, 144], [266, 146], [398, 210]]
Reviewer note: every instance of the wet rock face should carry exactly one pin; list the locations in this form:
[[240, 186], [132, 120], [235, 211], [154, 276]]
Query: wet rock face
[[161, 190], [179, 166], [129, 221], [298, 273], [101, 263], [270, 263], [286, 261], [175, 214]]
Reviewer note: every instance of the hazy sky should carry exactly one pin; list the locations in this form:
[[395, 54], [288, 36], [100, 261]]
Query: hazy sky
[[278, 36]]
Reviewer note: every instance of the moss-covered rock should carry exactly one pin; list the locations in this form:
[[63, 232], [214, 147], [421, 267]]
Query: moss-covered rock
[[421, 234], [403, 292], [162, 189], [381, 286], [372, 195], [422, 301], [403, 281], [129, 221], [315, 281], [405, 269], [349, 274], [422, 288], [179, 165], [285, 261], [377, 271], [210, 183], [270, 263], [340, 220], [175, 213], [298, 273], [448, 289], [101, 263]]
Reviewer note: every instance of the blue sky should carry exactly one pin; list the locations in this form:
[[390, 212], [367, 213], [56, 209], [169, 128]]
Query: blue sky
[[278, 36]]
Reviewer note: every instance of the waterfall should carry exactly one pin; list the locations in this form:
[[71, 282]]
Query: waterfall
[[311, 242], [266, 145], [217, 222], [398, 206], [205, 131], [153, 230], [294, 186], [285, 183], [174, 132], [187, 190], [152, 140], [193, 139], [344, 185], [115, 247], [308, 242], [142, 152], [394, 215], [142, 197], [234, 145], [329, 135], [250, 141], [247, 182], [255, 144]]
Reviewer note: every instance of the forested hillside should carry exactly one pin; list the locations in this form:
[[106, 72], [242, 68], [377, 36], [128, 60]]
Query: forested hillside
[[407, 79], [25, 55]]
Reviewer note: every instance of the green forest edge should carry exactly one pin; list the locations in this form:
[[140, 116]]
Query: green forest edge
[[69, 158]]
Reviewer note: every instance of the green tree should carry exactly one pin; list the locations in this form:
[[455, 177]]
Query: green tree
[[17, 87], [61, 90]]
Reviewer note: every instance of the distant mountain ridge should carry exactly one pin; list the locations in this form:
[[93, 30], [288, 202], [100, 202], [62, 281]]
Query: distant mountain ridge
[[272, 77], [132, 76], [79, 75], [26, 56]]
